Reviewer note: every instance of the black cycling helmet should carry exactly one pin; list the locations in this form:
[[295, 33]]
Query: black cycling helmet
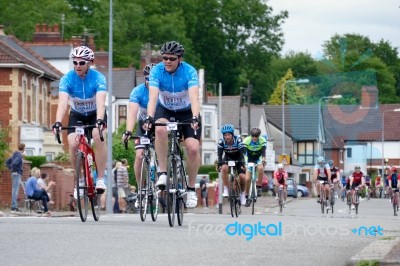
[[173, 47], [147, 68], [255, 132]]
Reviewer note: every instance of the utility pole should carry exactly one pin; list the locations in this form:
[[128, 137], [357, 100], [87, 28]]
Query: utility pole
[[249, 89]]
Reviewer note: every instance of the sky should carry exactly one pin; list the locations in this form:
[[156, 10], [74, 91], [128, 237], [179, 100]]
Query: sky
[[312, 22]]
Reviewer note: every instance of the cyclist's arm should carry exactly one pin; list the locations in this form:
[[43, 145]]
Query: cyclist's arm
[[351, 180], [329, 173], [101, 104], [315, 175], [194, 100], [63, 99], [153, 96], [133, 109], [263, 149]]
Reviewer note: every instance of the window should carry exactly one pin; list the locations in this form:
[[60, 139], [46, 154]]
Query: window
[[24, 101], [349, 152], [122, 110], [30, 152], [207, 118], [305, 152], [49, 156], [207, 132], [207, 158]]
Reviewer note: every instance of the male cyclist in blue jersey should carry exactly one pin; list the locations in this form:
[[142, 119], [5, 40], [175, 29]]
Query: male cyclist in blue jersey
[[84, 89], [175, 85], [233, 149], [137, 111], [255, 153]]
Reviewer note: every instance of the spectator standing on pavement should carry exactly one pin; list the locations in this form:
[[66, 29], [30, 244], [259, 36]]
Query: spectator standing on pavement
[[122, 179], [15, 165], [204, 192]]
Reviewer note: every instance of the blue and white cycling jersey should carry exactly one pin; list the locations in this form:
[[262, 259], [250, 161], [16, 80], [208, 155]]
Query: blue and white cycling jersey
[[82, 92], [174, 93], [140, 95]]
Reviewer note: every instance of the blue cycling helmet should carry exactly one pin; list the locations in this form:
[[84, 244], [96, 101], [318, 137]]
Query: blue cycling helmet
[[228, 128]]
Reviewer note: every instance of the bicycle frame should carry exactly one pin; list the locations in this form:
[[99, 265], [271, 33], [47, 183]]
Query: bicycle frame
[[234, 191], [252, 167]]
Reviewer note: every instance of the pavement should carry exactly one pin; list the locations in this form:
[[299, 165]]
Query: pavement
[[385, 251]]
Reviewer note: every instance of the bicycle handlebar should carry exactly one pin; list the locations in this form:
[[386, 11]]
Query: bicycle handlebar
[[58, 138]]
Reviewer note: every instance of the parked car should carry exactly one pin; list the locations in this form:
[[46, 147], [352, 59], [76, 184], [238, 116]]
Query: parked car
[[296, 191]]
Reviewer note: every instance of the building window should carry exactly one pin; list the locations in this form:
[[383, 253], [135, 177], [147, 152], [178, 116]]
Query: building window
[[122, 111], [349, 152], [207, 118], [305, 152], [30, 152], [24, 102], [207, 132], [207, 158], [49, 156]]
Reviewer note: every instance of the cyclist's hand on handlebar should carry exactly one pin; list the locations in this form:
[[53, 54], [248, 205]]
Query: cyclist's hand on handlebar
[[57, 127], [195, 123], [148, 123], [264, 163], [126, 135], [219, 166], [100, 124]]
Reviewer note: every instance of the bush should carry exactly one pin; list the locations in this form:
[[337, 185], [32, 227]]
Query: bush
[[213, 176], [37, 161], [206, 169]]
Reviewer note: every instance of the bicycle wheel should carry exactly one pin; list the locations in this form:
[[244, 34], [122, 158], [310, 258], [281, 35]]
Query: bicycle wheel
[[95, 202], [237, 198], [357, 202], [181, 197], [323, 200], [143, 188], [349, 201], [232, 196], [253, 195], [171, 190], [82, 193], [154, 201], [280, 197], [332, 198]]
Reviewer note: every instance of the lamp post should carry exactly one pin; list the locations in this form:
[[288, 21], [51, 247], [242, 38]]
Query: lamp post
[[336, 96], [383, 136], [297, 81]]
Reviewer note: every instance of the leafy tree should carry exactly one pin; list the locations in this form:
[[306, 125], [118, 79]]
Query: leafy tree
[[292, 93], [4, 146]]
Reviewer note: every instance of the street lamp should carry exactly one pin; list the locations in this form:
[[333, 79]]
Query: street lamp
[[297, 81], [383, 135], [336, 96]]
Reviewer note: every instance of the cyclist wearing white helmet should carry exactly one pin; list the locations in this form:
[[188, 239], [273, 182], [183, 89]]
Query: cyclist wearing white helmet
[[322, 171], [280, 177], [174, 92], [137, 109], [84, 89], [232, 148]]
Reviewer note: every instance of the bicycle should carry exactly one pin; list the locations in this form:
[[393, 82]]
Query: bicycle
[[395, 201], [148, 193], [367, 192], [176, 185], [234, 190], [322, 197], [85, 167], [350, 199], [252, 167], [331, 197]]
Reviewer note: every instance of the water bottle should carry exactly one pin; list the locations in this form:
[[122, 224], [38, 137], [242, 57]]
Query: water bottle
[[90, 159], [152, 171]]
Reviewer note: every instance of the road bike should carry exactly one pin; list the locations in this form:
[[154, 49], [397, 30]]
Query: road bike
[[234, 190], [323, 200], [350, 199], [148, 193], [367, 192], [176, 185], [252, 167], [85, 169], [395, 201]]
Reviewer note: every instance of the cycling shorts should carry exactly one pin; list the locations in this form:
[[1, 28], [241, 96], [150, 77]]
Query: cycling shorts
[[74, 117], [323, 179], [355, 185], [182, 116]]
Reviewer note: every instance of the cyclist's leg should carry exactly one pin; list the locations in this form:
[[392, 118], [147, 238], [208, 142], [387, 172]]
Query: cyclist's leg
[[260, 169], [225, 181], [247, 181], [161, 143]]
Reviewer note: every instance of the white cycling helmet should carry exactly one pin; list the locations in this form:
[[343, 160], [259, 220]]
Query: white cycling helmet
[[83, 52], [321, 159], [280, 166]]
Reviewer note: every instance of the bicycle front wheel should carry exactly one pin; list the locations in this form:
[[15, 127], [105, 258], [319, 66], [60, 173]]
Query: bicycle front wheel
[[253, 195], [95, 202], [143, 189], [154, 201], [181, 198], [81, 186], [171, 190]]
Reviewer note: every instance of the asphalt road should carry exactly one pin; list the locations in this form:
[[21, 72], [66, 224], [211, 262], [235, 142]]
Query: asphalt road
[[299, 236]]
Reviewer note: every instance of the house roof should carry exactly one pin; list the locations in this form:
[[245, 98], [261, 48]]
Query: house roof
[[53, 51], [230, 109], [301, 121], [15, 52], [123, 81], [352, 123]]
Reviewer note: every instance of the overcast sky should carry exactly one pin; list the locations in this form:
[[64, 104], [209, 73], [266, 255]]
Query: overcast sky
[[312, 22]]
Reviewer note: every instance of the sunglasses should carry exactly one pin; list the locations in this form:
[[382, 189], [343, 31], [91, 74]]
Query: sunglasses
[[172, 59], [81, 63], [146, 79]]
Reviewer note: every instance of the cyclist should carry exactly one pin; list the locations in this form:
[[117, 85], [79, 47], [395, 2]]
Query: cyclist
[[280, 177], [393, 179], [322, 172], [255, 153], [233, 149], [85, 90], [368, 184], [378, 186], [138, 111], [334, 176], [345, 186], [175, 84], [356, 179]]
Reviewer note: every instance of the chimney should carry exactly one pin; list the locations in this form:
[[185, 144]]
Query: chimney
[[369, 97], [37, 28], [2, 30]]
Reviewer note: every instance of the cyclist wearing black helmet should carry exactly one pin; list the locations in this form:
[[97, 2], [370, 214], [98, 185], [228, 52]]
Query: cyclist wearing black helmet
[[255, 153], [232, 147], [175, 85], [137, 108]]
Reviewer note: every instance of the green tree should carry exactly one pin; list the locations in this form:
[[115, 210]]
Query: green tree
[[292, 93], [5, 151]]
